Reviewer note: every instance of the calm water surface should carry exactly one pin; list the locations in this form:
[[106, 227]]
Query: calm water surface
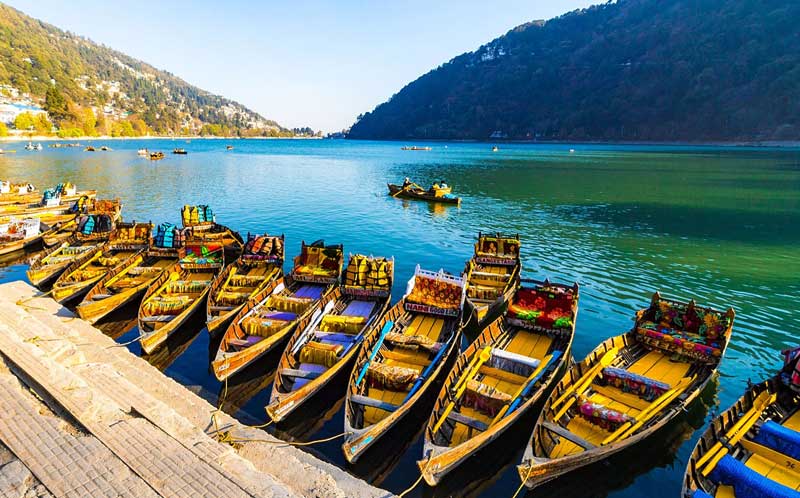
[[721, 225]]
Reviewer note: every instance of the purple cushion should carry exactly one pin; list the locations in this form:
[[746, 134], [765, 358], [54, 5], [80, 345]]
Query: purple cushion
[[310, 291], [286, 316], [307, 367], [358, 308]]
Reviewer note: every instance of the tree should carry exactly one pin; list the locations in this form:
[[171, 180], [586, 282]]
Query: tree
[[89, 122], [23, 121], [42, 124], [55, 104], [3, 130]]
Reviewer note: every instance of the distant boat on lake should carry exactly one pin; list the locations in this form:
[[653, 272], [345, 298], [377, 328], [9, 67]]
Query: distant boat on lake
[[229, 147], [414, 147], [179, 151], [142, 152]]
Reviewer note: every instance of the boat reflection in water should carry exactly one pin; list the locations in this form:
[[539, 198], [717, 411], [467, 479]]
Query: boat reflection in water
[[176, 343]]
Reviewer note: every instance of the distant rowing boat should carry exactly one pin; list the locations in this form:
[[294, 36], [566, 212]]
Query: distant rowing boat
[[414, 147]]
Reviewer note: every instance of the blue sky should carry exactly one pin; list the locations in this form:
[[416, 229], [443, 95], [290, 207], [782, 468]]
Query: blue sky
[[302, 63]]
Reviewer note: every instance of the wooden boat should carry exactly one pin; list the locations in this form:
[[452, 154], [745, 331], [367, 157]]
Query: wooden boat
[[179, 151], [628, 388], [127, 241], [229, 147], [51, 203], [27, 194], [419, 193], [89, 149], [512, 365], [128, 282], [156, 156], [753, 448], [261, 263], [201, 228], [21, 234], [324, 350], [101, 219], [142, 152], [492, 275], [178, 293], [415, 147], [403, 358], [268, 319], [90, 234]]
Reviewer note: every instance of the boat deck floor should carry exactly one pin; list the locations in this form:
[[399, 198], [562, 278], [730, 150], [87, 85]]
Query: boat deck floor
[[422, 325], [525, 343], [654, 365]]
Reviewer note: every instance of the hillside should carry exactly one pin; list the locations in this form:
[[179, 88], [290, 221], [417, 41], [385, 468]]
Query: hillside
[[68, 74], [630, 70]]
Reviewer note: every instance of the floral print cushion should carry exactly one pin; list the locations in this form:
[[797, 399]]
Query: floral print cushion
[[602, 416], [629, 382], [542, 308], [676, 341]]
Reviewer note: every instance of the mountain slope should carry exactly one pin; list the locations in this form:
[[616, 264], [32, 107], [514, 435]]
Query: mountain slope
[[630, 70], [35, 56]]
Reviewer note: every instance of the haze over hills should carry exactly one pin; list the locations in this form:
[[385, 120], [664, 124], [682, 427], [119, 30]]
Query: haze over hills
[[640, 70], [69, 75]]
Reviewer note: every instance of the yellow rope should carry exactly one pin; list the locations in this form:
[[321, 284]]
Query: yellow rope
[[527, 476], [416, 483], [227, 438]]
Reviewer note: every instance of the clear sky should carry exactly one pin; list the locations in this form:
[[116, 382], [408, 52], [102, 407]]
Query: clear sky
[[302, 63]]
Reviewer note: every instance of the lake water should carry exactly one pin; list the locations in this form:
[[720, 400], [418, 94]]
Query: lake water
[[721, 225]]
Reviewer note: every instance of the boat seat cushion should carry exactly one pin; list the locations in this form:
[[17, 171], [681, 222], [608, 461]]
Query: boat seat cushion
[[512, 362], [391, 377], [677, 341], [320, 353], [746, 482], [484, 398], [629, 382], [602, 416], [435, 292], [307, 367], [549, 309], [310, 291], [359, 309], [779, 438], [340, 323], [414, 342]]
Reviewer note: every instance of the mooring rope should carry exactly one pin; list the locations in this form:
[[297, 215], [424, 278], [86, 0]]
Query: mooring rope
[[419, 479]]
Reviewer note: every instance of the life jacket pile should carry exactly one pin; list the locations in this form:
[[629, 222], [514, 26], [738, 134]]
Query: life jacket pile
[[367, 273], [195, 215], [168, 236], [264, 246]]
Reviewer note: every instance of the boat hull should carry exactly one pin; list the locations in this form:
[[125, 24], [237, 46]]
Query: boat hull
[[151, 340], [397, 191], [94, 311]]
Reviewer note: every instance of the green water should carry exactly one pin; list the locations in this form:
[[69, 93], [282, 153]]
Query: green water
[[721, 225]]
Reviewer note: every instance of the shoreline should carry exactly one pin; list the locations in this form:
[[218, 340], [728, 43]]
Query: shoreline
[[46, 138], [677, 143]]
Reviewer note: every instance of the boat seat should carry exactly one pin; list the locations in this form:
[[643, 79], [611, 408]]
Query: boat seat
[[779, 438], [634, 383], [678, 341], [98, 297], [569, 436], [372, 402], [305, 373], [468, 421], [747, 482], [602, 415], [223, 308], [158, 318]]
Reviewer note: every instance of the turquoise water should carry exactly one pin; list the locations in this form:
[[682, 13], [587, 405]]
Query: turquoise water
[[716, 224]]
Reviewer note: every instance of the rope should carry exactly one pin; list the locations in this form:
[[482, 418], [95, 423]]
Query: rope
[[527, 475], [227, 438], [121, 344], [28, 307], [419, 479]]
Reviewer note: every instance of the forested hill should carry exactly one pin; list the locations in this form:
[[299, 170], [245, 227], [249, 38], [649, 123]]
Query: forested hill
[[636, 70], [37, 58]]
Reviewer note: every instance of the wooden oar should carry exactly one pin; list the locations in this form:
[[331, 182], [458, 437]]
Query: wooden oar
[[734, 434], [386, 329], [230, 276], [172, 277], [134, 264], [525, 387], [648, 413], [269, 277], [90, 261], [461, 385], [428, 370], [569, 395], [56, 252]]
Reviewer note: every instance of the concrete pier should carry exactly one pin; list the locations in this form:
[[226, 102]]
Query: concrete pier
[[84, 417]]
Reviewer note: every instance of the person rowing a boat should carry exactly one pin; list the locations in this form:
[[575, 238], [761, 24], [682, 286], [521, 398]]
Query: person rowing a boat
[[406, 183]]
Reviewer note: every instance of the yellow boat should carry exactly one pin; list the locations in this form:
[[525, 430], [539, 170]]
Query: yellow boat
[[512, 365], [20, 234], [492, 276], [127, 240], [127, 282], [753, 448], [406, 354], [628, 388], [178, 293], [261, 263], [319, 356], [268, 319], [201, 227], [103, 214]]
